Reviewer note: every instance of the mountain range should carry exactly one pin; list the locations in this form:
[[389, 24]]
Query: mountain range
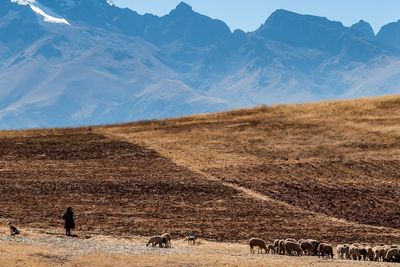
[[81, 62]]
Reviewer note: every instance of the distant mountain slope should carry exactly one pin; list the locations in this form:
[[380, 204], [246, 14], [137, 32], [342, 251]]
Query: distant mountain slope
[[364, 28], [390, 34], [19, 28], [61, 84], [76, 62]]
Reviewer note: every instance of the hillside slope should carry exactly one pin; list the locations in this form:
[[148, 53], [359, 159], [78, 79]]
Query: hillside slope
[[327, 171], [340, 159]]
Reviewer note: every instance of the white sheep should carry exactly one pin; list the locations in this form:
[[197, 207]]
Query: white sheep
[[168, 238], [343, 251], [379, 253]]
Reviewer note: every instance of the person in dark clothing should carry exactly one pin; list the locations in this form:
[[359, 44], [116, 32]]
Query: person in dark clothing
[[13, 229], [69, 221]]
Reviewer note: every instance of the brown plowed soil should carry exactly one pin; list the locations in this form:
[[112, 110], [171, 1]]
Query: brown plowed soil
[[366, 192]]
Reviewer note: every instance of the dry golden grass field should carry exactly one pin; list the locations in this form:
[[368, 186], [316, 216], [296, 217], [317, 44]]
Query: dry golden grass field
[[328, 171]]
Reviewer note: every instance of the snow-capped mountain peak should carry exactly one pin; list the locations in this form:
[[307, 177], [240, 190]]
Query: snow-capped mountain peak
[[115, 65], [41, 10], [23, 2]]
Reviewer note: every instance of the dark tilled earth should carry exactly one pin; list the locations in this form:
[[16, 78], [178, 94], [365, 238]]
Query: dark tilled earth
[[366, 192]]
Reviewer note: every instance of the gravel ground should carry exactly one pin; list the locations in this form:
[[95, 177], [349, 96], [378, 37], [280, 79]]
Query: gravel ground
[[71, 246]]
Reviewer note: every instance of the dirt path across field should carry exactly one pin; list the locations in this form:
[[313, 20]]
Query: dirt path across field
[[262, 197]]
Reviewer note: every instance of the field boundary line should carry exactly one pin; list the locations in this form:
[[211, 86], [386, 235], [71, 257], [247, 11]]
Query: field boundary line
[[260, 196]]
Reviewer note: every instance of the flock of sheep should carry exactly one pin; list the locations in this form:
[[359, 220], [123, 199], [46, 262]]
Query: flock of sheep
[[377, 253], [292, 247], [308, 247], [164, 240], [311, 247]]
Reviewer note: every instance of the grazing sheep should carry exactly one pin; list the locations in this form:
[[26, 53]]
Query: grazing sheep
[[315, 245], [270, 248], [307, 247], [291, 247], [257, 242], [276, 246], [281, 249], [191, 239], [157, 240], [13, 229], [354, 252], [168, 238], [386, 249], [363, 252], [325, 250], [370, 253], [379, 253], [391, 254], [343, 251], [396, 258]]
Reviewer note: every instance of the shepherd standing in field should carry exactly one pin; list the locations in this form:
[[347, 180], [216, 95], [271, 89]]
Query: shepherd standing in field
[[69, 221]]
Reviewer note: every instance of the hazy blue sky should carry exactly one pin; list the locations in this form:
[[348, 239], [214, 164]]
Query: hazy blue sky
[[250, 14]]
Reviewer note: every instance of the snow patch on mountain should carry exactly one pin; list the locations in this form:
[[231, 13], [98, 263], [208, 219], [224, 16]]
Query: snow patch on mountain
[[43, 11]]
